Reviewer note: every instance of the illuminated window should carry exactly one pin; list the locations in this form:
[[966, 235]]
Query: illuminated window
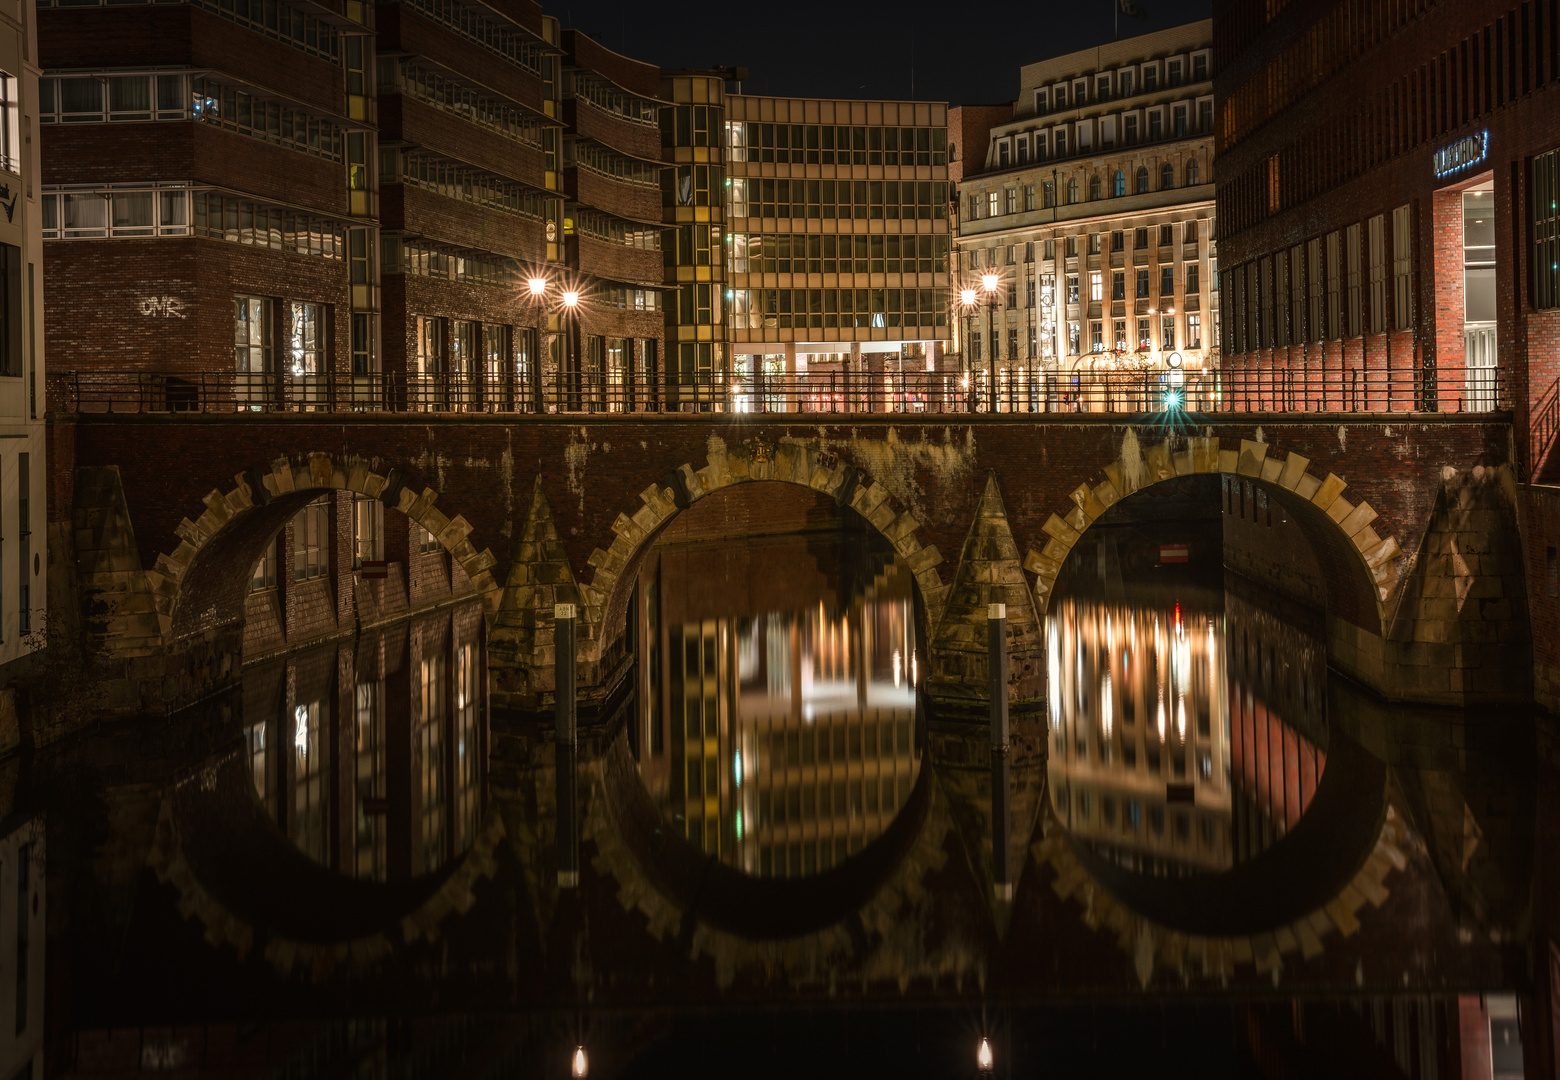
[[311, 540]]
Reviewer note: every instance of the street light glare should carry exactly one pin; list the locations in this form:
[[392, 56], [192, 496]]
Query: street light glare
[[989, 282], [570, 299], [967, 296], [983, 1059], [579, 1068], [538, 286]]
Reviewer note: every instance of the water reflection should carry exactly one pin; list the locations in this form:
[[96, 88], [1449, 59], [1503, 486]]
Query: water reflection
[[778, 680], [368, 754], [1189, 729]]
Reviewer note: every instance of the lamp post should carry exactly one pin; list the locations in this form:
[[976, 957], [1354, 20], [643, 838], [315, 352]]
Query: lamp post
[[988, 283], [537, 286], [571, 344], [967, 302]]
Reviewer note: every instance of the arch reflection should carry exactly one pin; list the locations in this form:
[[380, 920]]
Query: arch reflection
[[368, 754], [1189, 731], [778, 683]]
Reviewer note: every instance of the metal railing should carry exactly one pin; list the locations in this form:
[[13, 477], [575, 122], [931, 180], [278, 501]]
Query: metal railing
[[835, 392], [1545, 423]]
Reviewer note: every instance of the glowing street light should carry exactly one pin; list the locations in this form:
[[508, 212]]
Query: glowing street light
[[988, 282], [571, 299], [579, 1069], [538, 286], [983, 1059], [967, 297]]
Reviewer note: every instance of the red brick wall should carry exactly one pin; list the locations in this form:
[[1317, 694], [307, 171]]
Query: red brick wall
[[133, 327], [1540, 532], [404, 119]]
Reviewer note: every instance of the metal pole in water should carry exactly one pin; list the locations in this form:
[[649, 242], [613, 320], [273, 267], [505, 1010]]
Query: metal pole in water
[[566, 735], [997, 688]]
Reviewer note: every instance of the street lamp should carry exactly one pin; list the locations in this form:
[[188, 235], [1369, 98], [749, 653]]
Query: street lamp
[[983, 1059], [538, 286], [988, 282], [579, 1068]]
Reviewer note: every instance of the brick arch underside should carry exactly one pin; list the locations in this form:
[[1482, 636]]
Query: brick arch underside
[[1358, 564], [606, 596], [211, 568]]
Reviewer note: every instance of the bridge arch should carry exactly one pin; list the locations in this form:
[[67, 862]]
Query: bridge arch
[[1357, 561], [197, 577], [792, 461]]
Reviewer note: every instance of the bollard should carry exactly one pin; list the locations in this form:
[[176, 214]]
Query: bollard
[[567, 745], [997, 687]]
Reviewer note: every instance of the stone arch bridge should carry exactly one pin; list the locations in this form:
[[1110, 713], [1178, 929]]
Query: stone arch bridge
[[1411, 520]]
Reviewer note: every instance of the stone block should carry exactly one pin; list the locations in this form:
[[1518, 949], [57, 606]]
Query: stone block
[[923, 559], [1271, 468], [1361, 516], [1307, 487], [1252, 455], [1117, 476], [1228, 460], [1205, 454], [1156, 460], [1055, 526], [1340, 509], [282, 473], [1105, 491], [1055, 550], [1183, 463], [1294, 468], [1328, 492]]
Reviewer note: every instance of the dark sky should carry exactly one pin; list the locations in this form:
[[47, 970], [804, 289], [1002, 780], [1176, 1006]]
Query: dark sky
[[964, 52]]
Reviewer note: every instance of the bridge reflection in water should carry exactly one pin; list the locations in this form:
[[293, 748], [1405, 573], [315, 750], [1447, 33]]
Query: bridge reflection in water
[[779, 679], [1190, 730], [368, 755]]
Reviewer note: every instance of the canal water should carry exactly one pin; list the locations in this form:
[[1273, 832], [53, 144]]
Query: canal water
[[355, 831]]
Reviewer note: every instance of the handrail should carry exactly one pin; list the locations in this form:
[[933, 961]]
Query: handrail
[[836, 391], [1545, 424]]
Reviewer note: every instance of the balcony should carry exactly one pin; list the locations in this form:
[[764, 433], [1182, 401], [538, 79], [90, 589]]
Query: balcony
[[623, 135], [406, 119], [636, 202], [614, 262], [404, 30], [463, 224]]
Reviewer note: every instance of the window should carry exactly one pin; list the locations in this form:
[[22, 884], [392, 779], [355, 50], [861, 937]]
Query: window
[[1118, 184], [1094, 187], [1205, 116], [1072, 190], [1050, 248], [1156, 125], [1059, 96], [304, 338], [1166, 176], [1002, 154], [1142, 284], [991, 204], [1376, 234], [1142, 179], [1173, 73], [1102, 88], [1192, 175], [1402, 266], [1166, 235], [252, 334], [368, 530], [1118, 285], [1193, 282], [1117, 240], [1097, 336], [11, 318], [1166, 281], [264, 575], [1140, 239], [365, 356], [975, 345], [1200, 67], [974, 207], [1072, 247], [10, 125], [311, 540], [1011, 197], [1129, 128], [1150, 77], [1094, 243], [1143, 339], [427, 543], [1074, 338], [1096, 287], [1120, 336], [1041, 105], [1189, 236], [1167, 332], [1193, 330], [1029, 197], [1012, 343], [1124, 79], [1334, 288], [1061, 143], [1546, 230], [1351, 256], [1313, 318]]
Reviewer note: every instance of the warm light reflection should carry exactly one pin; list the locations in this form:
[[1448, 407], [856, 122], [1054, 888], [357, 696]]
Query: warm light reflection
[[779, 740], [1178, 759], [579, 1068], [983, 1058]]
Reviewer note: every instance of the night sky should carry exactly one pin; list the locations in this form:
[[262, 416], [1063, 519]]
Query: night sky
[[855, 49]]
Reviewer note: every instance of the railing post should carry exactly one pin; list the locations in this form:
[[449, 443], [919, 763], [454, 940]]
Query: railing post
[[567, 746], [997, 688]]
